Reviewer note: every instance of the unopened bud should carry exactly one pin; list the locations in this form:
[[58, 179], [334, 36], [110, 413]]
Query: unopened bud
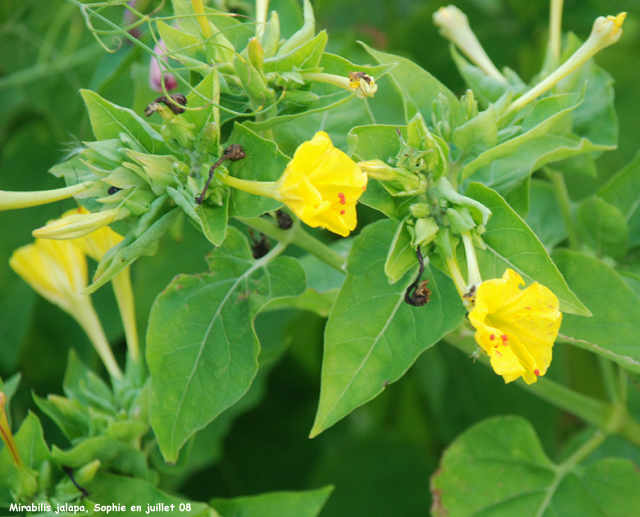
[[425, 231], [460, 220], [256, 53], [419, 210]]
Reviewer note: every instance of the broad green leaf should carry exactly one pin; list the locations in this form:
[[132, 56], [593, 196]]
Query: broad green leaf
[[603, 227], [418, 88], [33, 452], [183, 47], [518, 197], [379, 142], [545, 114], [202, 97], [401, 255], [202, 349], [108, 489], [499, 469], [373, 336], [623, 191], [479, 133], [613, 331], [109, 121], [275, 504], [545, 217], [120, 457], [512, 244], [263, 162]]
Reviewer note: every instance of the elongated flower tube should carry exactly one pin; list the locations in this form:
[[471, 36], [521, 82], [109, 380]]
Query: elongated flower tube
[[454, 25], [12, 200], [95, 245], [5, 433], [516, 327], [605, 32], [361, 84], [321, 185], [57, 270], [77, 225]]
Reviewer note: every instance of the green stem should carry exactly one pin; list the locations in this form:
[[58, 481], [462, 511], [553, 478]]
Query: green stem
[[562, 196], [555, 32], [568, 465], [609, 378], [296, 235], [609, 418]]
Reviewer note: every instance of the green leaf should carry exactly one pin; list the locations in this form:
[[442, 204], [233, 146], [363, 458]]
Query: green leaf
[[512, 244], [545, 217], [603, 227], [263, 162], [479, 133], [373, 336], [623, 191], [81, 384], [201, 97], [546, 113], [613, 331], [108, 489], [69, 415], [201, 346], [113, 454], [275, 504], [379, 142], [183, 47], [401, 255], [209, 217], [498, 468], [109, 120], [33, 452], [418, 88]]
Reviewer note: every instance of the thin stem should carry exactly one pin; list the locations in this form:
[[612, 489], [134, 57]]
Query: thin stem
[[610, 418], [562, 196], [296, 235], [555, 32], [609, 378]]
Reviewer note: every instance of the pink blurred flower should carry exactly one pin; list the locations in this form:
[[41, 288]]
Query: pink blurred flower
[[156, 68]]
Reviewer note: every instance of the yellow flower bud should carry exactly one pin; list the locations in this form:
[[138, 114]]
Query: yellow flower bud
[[516, 327], [321, 185], [78, 225]]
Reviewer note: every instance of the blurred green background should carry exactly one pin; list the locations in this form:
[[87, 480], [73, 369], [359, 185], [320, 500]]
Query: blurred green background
[[380, 457]]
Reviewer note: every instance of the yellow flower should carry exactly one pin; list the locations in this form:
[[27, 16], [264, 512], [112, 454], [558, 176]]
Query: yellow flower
[[516, 328], [13, 200], [321, 185], [98, 242], [76, 225], [57, 270]]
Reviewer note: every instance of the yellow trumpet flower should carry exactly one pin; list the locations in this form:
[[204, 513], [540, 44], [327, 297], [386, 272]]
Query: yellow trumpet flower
[[321, 185], [57, 270], [95, 245], [12, 200], [516, 327]]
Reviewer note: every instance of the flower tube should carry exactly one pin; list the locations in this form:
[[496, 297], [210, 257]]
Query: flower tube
[[12, 200], [321, 185], [77, 225]]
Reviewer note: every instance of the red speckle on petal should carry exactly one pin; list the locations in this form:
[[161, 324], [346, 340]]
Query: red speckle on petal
[[537, 372], [505, 339], [364, 187], [343, 201], [498, 352], [495, 346], [492, 337], [342, 212], [528, 308]]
